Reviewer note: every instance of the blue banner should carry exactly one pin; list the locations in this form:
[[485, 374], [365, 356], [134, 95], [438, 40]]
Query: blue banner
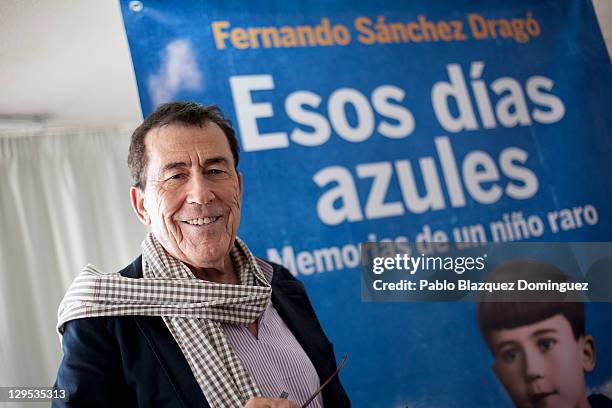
[[402, 121]]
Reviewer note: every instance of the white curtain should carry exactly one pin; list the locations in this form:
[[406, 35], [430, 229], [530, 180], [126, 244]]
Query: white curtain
[[64, 202]]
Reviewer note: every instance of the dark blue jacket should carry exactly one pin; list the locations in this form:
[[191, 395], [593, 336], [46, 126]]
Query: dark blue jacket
[[133, 361]]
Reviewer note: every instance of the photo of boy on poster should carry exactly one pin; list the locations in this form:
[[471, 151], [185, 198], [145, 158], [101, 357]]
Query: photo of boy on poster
[[541, 349]]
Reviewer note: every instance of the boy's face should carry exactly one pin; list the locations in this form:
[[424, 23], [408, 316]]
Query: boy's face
[[542, 364]]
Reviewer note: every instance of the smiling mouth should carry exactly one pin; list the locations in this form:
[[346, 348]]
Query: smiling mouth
[[202, 221]]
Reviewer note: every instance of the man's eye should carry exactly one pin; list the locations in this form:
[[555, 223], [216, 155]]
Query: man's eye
[[216, 172], [545, 344], [176, 176]]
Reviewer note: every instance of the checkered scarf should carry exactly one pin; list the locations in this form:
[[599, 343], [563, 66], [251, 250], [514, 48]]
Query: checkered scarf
[[192, 309]]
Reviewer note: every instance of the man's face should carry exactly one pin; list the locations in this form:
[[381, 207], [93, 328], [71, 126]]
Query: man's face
[[542, 364], [193, 194]]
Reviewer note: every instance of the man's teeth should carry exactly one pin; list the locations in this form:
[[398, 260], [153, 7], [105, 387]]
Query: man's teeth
[[202, 221]]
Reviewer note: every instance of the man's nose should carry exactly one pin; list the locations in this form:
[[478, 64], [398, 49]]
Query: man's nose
[[200, 190]]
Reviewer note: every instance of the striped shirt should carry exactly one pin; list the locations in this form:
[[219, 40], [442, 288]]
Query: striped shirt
[[274, 359]]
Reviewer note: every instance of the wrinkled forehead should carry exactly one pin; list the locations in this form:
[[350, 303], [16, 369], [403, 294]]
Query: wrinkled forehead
[[187, 143]]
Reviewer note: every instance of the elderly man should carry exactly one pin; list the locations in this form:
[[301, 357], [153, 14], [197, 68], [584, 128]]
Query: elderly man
[[197, 320]]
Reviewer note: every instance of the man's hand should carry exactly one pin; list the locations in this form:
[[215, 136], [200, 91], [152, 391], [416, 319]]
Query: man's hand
[[259, 402]]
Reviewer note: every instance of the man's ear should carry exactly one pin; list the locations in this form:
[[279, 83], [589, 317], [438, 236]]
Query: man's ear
[[137, 196], [589, 354], [240, 183]]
